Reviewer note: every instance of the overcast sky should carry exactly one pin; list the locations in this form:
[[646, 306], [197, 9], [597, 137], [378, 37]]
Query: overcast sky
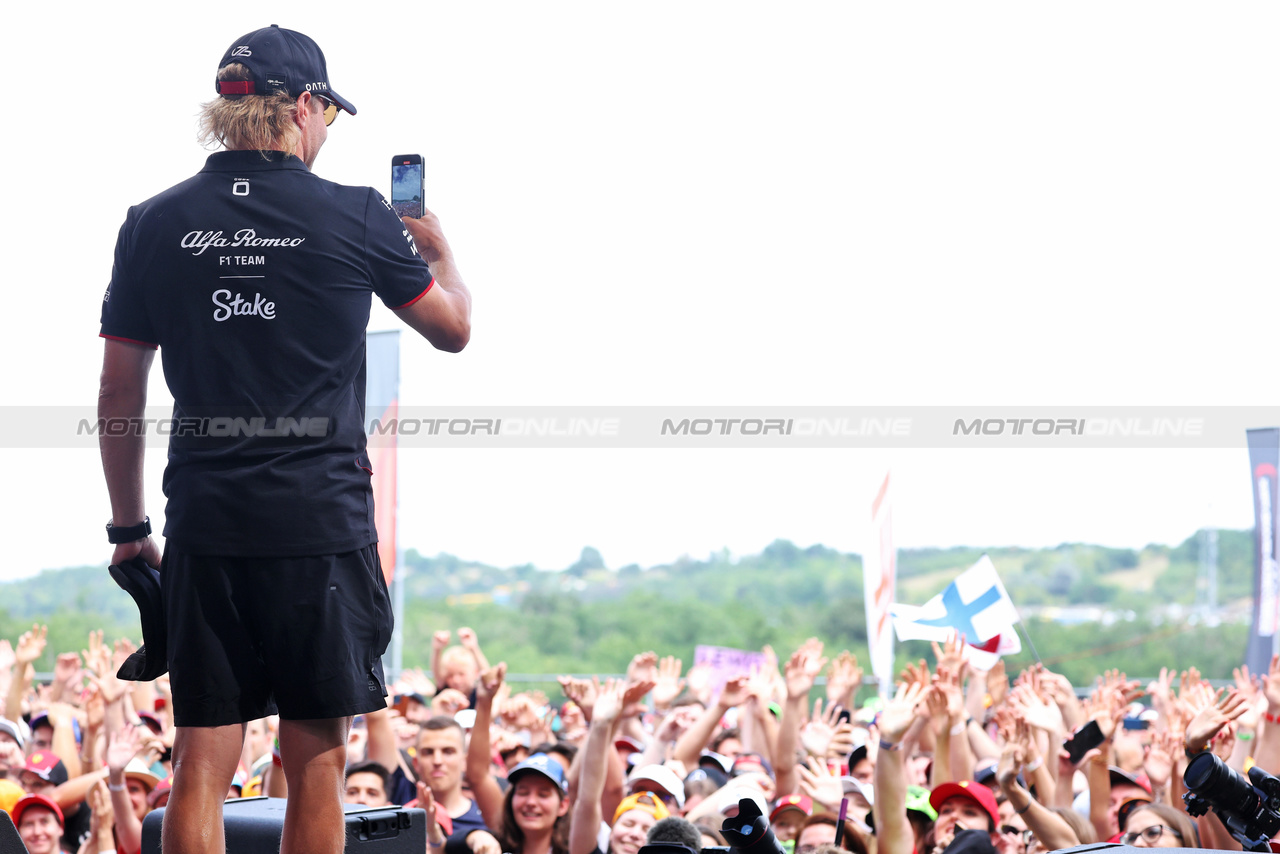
[[823, 204]]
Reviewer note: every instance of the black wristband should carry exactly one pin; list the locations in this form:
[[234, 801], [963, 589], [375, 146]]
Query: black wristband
[[116, 536]]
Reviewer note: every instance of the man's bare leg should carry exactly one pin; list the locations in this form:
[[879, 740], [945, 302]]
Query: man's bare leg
[[204, 761], [314, 756]]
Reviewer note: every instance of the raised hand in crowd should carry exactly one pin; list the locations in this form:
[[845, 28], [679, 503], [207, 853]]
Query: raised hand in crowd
[[916, 674], [817, 781], [951, 654], [736, 691], [1063, 693], [997, 681], [30, 647], [599, 753], [122, 747], [1212, 719], [427, 802], [1160, 762], [799, 674], [67, 675], [469, 642], [667, 684], [31, 644], [583, 692], [823, 735], [479, 775], [844, 678], [101, 819], [698, 683], [899, 715], [449, 702], [440, 640]]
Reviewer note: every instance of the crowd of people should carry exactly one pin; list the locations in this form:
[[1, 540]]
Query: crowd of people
[[954, 760]]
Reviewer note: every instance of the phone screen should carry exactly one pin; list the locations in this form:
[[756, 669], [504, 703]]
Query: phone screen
[[406, 186]]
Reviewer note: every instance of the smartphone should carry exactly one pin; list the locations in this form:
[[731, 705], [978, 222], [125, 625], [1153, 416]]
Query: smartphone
[[1089, 737], [406, 185]]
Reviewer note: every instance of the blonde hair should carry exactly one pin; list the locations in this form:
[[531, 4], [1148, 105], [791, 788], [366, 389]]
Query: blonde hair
[[457, 656], [248, 122]]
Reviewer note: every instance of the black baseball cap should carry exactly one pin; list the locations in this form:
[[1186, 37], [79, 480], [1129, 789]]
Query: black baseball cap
[[280, 61]]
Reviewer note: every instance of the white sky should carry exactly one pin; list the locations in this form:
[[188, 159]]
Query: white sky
[[721, 203]]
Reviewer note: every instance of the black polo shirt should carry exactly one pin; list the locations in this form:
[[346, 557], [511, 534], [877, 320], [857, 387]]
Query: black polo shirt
[[254, 278]]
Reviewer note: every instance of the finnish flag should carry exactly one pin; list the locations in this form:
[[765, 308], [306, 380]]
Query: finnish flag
[[975, 605]]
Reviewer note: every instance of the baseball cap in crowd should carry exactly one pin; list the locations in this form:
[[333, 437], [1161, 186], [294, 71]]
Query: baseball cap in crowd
[[715, 760], [626, 744], [152, 721], [731, 795], [856, 755], [35, 801], [1122, 814], [985, 773], [1120, 776], [12, 729], [851, 786], [646, 801], [743, 761], [541, 763], [917, 800], [10, 794], [48, 767], [138, 770], [803, 803], [715, 775], [970, 789], [662, 777], [279, 60]]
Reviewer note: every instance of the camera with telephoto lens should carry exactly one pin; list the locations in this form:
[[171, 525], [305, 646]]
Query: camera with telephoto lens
[[1248, 807], [749, 832]]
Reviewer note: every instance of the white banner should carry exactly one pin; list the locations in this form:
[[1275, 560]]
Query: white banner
[[879, 581]]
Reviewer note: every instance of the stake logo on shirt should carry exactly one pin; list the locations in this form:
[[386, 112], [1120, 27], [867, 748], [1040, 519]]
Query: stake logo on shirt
[[226, 306]]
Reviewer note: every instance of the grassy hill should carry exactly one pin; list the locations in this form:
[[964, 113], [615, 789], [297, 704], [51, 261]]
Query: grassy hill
[[591, 618]]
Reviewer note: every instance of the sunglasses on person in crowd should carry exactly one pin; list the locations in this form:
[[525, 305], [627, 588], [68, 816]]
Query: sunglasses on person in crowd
[[1149, 834], [1026, 835]]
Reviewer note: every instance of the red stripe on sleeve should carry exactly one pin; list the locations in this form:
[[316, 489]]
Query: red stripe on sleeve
[[415, 299], [129, 340]]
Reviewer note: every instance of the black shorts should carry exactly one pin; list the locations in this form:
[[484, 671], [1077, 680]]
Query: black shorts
[[250, 637]]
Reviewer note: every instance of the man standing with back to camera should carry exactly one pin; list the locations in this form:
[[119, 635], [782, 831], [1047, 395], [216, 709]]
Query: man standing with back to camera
[[254, 278]]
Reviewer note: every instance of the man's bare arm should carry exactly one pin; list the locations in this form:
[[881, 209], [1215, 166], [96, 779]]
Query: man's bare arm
[[122, 393], [443, 314]]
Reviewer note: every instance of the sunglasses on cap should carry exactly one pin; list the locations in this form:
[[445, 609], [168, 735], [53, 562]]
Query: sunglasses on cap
[[330, 108]]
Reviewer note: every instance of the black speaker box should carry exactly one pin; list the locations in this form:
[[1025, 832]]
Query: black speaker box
[[254, 826]]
